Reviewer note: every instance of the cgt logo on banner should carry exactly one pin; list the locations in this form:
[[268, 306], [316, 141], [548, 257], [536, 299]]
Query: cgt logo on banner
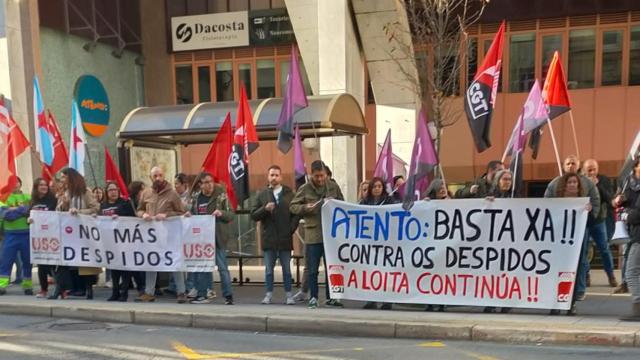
[[123, 244], [507, 252]]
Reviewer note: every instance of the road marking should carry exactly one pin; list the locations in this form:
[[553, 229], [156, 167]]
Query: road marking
[[432, 344], [187, 352], [191, 354], [478, 356]]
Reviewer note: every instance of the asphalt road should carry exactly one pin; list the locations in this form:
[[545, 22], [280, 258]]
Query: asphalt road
[[23, 337]]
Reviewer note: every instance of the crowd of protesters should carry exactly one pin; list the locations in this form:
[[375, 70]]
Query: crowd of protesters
[[281, 212]]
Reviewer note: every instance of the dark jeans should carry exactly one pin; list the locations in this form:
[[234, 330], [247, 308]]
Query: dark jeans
[[43, 272], [314, 252], [120, 289]]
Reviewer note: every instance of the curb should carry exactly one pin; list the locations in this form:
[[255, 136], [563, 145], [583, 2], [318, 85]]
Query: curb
[[441, 330]]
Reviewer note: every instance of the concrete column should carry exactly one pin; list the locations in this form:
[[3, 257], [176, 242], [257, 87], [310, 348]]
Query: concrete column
[[328, 41], [23, 43]]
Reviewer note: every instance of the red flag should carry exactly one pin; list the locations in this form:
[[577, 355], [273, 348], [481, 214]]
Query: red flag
[[480, 97], [245, 141], [111, 173], [12, 143], [218, 159], [18, 141], [554, 91], [60, 154]]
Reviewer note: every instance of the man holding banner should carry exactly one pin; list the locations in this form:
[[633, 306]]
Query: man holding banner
[[158, 203], [308, 203], [212, 200]]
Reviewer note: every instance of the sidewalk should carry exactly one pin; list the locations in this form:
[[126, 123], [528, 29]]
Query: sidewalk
[[596, 323]]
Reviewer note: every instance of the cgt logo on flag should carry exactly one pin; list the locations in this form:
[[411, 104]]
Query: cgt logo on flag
[[336, 278], [565, 286], [236, 166]]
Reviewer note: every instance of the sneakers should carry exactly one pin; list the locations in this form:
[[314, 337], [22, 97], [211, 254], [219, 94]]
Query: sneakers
[[267, 298], [228, 300], [145, 298], [313, 303], [621, 289], [613, 282], [581, 297], [200, 300], [182, 298], [192, 294], [211, 294], [28, 292], [386, 306], [42, 294], [333, 302], [290, 300], [300, 296], [3, 291]]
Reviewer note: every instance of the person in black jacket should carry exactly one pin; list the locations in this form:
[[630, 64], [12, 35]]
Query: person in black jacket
[[377, 195], [115, 206], [43, 199], [630, 200], [271, 208]]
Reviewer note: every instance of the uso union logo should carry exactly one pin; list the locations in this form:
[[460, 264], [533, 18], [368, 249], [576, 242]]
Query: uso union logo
[[184, 32]]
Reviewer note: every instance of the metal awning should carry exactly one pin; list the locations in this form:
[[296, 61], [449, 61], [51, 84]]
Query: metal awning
[[327, 115]]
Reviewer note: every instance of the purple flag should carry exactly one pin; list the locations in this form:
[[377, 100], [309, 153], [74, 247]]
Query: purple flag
[[299, 169], [294, 100], [384, 165], [423, 160], [534, 114]]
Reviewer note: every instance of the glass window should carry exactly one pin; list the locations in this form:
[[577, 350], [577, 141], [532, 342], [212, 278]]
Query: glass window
[[634, 57], [550, 44], [447, 65], [184, 84], [472, 60], [522, 49], [204, 84], [244, 74], [582, 58], [224, 81], [612, 57], [266, 78], [421, 65]]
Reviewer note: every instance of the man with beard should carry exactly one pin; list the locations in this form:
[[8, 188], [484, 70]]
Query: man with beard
[[158, 203]]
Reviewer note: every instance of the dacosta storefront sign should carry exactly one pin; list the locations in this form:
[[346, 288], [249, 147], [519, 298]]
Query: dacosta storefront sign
[[234, 29], [210, 31]]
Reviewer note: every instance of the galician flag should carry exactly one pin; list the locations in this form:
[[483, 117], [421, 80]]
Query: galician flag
[[77, 141], [44, 138]]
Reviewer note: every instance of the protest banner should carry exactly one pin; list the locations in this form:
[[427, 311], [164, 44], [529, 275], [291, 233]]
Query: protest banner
[[506, 252], [126, 243]]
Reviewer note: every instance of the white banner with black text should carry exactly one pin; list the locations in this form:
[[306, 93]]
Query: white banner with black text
[[125, 243], [505, 252]]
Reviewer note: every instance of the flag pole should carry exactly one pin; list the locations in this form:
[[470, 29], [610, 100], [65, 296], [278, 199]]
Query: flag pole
[[575, 137], [515, 176], [555, 145], [93, 173], [509, 144]]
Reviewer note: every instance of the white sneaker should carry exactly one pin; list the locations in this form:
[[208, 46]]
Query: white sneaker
[[267, 298], [192, 294], [211, 294], [108, 284], [290, 300], [300, 296]]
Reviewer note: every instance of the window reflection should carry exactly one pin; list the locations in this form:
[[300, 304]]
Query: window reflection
[[184, 84], [224, 81]]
